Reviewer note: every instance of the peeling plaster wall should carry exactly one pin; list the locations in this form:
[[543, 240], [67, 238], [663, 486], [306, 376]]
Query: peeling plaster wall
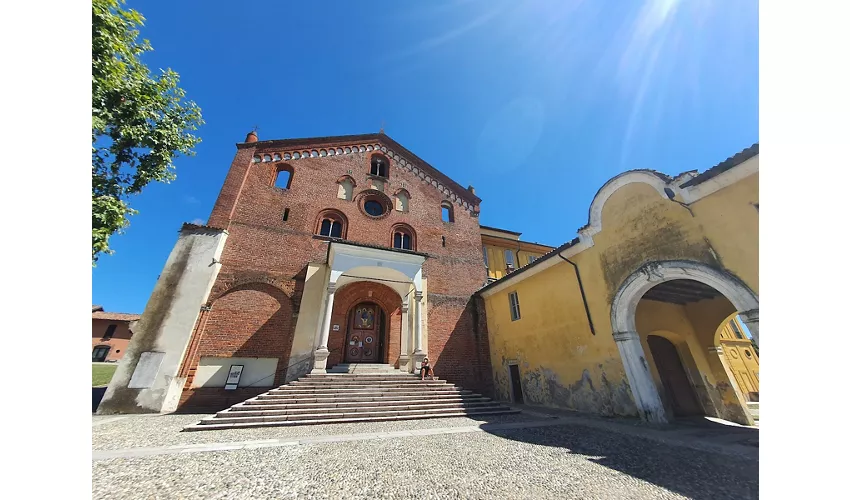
[[561, 364], [638, 226], [166, 325]]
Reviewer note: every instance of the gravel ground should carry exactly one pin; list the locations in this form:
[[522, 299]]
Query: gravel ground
[[139, 431], [567, 461]]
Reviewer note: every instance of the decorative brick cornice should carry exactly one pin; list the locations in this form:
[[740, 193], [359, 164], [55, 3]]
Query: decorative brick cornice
[[292, 150]]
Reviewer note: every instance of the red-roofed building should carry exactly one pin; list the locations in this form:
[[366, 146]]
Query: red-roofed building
[[110, 334]]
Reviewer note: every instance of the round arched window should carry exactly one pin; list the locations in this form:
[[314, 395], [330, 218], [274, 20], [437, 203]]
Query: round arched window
[[374, 208]]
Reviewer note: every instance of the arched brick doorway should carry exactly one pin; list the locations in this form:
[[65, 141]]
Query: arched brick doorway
[[366, 332], [387, 317]]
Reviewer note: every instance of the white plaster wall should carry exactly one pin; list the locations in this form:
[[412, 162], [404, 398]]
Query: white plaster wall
[[303, 344], [167, 323], [212, 371]]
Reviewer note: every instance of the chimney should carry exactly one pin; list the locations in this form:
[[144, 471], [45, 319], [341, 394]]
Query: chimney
[[471, 189]]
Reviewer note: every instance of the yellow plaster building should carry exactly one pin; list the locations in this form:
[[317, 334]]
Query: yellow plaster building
[[632, 317], [504, 252]]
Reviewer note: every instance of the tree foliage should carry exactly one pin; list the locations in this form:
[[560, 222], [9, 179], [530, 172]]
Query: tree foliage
[[140, 121]]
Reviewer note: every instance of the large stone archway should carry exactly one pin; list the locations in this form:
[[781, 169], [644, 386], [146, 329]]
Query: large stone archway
[[625, 333]]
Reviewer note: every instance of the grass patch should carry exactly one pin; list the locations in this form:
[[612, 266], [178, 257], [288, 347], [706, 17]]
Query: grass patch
[[102, 374]]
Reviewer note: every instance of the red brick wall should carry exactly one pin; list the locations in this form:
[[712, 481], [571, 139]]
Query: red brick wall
[[248, 320], [119, 341], [262, 247], [457, 341]]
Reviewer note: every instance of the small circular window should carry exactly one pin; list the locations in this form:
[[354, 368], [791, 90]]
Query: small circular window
[[374, 204], [374, 208], [747, 352]]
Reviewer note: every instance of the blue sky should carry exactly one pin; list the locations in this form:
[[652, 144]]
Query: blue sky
[[535, 103]]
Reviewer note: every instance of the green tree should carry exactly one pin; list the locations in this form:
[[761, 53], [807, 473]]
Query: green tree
[[140, 122]]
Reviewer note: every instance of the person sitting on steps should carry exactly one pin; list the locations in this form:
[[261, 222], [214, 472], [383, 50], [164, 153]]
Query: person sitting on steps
[[426, 370]]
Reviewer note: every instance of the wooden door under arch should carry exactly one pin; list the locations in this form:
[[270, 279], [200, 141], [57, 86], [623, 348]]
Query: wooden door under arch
[[363, 339], [673, 377]]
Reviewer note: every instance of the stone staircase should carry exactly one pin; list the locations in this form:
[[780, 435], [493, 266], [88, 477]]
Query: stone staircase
[[753, 406], [353, 393]]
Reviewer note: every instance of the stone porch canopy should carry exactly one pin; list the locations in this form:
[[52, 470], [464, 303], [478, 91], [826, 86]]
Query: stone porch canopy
[[352, 262], [398, 269]]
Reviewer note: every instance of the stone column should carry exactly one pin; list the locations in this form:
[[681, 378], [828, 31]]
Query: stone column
[[320, 357], [418, 354], [640, 379], [404, 358], [751, 319]]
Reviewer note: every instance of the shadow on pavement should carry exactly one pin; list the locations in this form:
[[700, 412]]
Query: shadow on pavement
[[96, 397], [694, 473]]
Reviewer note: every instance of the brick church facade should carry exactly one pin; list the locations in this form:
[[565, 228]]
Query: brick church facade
[[317, 252]]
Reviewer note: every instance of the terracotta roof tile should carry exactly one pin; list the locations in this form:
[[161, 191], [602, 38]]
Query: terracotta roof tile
[[115, 316], [723, 166]]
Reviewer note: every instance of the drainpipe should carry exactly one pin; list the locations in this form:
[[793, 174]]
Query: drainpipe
[[583, 297], [672, 196]]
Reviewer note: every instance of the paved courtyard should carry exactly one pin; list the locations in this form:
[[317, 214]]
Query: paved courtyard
[[531, 455]]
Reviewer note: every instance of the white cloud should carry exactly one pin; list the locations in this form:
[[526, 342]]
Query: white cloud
[[198, 222]]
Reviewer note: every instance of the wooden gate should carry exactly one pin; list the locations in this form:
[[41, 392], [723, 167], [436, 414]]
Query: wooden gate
[[673, 377], [362, 342]]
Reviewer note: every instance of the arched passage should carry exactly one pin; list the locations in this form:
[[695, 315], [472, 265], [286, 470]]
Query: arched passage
[[740, 359], [694, 299]]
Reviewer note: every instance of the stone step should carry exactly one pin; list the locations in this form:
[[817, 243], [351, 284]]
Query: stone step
[[753, 406], [362, 367], [318, 398], [356, 409], [353, 365], [364, 391], [359, 389], [320, 383], [266, 405], [328, 416], [367, 393], [354, 387], [345, 420], [261, 399], [390, 379], [359, 376], [353, 393], [357, 404]]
